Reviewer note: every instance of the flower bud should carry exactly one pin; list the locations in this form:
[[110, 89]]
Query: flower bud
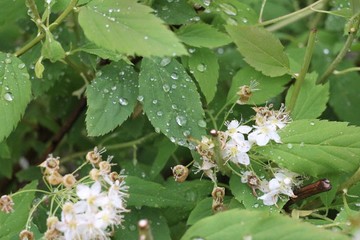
[[51, 222], [69, 180], [144, 230], [180, 173], [26, 235], [218, 194], [245, 92], [6, 204]]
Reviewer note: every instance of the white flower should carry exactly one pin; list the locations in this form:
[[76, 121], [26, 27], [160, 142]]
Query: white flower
[[91, 196], [236, 151], [263, 134], [282, 183], [234, 127]]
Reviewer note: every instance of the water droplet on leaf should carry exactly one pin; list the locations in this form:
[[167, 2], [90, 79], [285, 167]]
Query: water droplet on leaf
[[123, 101], [201, 123], [8, 97], [201, 67], [181, 120], [165, 61], [174, 76], [228, 9], [166, 88]]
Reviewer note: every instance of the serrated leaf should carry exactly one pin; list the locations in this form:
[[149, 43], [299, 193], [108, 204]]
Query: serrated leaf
[[128, 27], [202, 35], [233, 11], [172, 194], [52, 49], [15, 92], [315, 147], [312, 99], [111, 98], [261, 49], [245, 224], [11, 224], [204, 66], [268, 86], [174, 12], [167, 90]]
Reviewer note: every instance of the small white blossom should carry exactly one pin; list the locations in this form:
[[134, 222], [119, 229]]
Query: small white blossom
[[236, 151], [263, 134]]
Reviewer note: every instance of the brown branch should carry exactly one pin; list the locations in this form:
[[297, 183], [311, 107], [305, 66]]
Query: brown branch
[[56, 139]]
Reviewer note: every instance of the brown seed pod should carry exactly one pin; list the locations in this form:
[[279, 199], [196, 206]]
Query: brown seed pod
[[180, 173]]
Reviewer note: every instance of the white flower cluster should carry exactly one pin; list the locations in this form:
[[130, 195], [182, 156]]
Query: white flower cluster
[[237, 141], [95, 213]]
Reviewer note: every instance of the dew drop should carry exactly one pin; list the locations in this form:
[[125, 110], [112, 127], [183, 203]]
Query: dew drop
[[201, 123], [289, 146], [98, 74], [173, 106], [181, 120], [155, 101], [106, 90], [113, 88], [166, 88], [174, 76], [8, 97], [172, 139], [157, 130], [186, 133], [201, 67], [159, 113], [326, 51], [123, 101], [21, 65], [191, 50], [140, 98], [121, 73], [7, 60], [207, 2], [173, 86], [165, 61], [228, 9], [312, 123]]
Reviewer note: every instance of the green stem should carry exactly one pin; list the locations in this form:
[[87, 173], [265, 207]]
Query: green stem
[[262, 10], [32, 6], [354, 179], [111, 147], [353, 69], [323, 79], [304, 69], [294, 16], [39, 37]]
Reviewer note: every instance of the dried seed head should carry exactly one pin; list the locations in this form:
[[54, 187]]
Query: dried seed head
[[54, 178], [26, 235], [218, 207], [94, 156], [246, 91], [51, 164], [94, 174], [105, 167], [180, 173], [69, 180], [114, 176], [218, 194], [6, 204]]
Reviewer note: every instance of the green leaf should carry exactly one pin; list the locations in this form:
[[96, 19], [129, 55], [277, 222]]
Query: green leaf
[[345, 97], [317, 147], [312, 99], [204, 66], [202, 35], [174, 12], [234, 12], [261, 49], [173, 194], [202, 209], [245, 224], [11, 224], [111, 98], [167, 90], [15, 92], [268, 86], [4, 150], [101, 52], [52, 49], [128, 27], [166, 149], [158, 224]]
